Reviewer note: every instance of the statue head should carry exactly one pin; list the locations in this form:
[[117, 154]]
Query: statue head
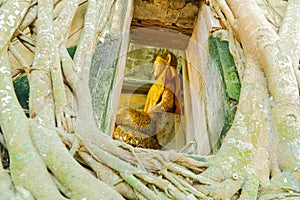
[[163, 60]]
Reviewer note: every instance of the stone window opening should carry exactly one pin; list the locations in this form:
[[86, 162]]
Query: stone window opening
[[156, 26], [137, 81], [203, 93], [163, 33]]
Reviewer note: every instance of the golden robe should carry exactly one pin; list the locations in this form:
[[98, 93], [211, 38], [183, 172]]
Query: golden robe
[[165, 91], [142, 130]]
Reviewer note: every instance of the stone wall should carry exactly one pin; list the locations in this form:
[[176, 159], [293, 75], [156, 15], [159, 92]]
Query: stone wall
[[139, 61], [180, 13], [207, 93], [108, 65]]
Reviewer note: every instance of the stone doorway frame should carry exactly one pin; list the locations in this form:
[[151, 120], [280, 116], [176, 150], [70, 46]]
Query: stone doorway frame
[[113, 51]]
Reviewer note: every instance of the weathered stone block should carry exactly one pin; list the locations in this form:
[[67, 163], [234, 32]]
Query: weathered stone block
[[208, 95]]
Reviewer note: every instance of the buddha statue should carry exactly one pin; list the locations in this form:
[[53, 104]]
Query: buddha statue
[[153, 126]]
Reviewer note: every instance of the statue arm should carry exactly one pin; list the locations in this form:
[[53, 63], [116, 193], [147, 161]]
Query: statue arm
[[166, 104]]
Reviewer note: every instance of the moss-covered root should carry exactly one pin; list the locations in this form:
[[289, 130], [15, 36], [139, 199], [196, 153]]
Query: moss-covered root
[[7, 190], [281, 183], [285, 196], [26, 167], [6, 187], [250, 189], [224, 190], [108, 176], [12, 13], [230, 187], [71, 175]]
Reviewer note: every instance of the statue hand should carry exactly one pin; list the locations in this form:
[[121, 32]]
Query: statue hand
[[155, 109]]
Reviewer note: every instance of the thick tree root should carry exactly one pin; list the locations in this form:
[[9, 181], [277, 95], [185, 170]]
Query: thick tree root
[[68, 172], [281, 196], [8, 190]]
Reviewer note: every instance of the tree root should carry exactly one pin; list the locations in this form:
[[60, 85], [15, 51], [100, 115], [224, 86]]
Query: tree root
[[250, 189], [7, 189], [164, 185], [188, 174], [139, 186], [183, 185], [168, 178], [193, 163], [68, 172], [133, 176], [295, 196]]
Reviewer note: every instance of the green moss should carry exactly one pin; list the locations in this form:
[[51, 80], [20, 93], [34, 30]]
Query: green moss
[[103, 69], [21, 87], [72, 50], [247, 153], [288, 133], [219, 52]]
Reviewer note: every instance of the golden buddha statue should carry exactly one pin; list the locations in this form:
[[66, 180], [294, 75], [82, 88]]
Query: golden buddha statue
[[153, 126]]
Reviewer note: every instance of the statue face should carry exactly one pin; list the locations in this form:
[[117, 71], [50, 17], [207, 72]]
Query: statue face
[[157, 69]]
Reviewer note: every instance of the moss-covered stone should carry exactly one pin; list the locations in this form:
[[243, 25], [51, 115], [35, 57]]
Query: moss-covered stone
[[103, 69], [221, 56]]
